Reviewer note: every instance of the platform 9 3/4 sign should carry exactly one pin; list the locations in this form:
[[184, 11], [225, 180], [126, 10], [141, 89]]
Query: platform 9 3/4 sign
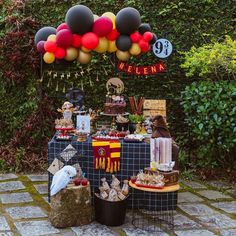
[[162, 48]]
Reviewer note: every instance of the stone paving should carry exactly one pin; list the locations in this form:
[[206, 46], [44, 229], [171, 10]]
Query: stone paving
[[204, 209]]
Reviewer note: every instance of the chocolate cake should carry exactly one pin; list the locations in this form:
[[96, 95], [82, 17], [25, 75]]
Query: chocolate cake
[[115, 104]]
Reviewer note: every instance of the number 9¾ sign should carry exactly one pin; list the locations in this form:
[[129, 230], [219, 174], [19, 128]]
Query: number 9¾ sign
[[162, 48]]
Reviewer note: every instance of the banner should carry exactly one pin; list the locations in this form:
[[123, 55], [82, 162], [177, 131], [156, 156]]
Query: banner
[[159, 67]]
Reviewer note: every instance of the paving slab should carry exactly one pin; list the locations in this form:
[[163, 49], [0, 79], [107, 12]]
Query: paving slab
[[219, 184], [193, 184], [196, 209], [6, 233], [232, 192], [93, 229], [8, 176], [131, 230], [229, 207], [195, 232], [25, 212], [15, 198], [38, 178], [218, 221], [41, 188], [213, 195], [183, 222], [35, 228], [11, 186], [188, 197], [3, 224], [228, 232]]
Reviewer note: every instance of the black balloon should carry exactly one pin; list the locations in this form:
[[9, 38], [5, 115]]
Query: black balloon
[[79, 19], [154, 39], [43, 34], [123, 43], [144, 27], [127, 20]]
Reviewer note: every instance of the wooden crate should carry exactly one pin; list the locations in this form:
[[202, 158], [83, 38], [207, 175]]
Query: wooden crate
[[152, 107], [154, 113]]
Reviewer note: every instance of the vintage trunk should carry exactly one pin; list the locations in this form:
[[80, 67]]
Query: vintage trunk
[[71, 207]]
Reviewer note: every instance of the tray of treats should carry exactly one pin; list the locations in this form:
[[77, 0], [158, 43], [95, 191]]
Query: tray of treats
[[134, 138]]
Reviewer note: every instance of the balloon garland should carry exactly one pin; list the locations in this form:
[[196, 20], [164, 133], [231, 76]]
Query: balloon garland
[[83, 32]]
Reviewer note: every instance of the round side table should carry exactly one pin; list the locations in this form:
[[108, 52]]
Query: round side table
[[153, 209]]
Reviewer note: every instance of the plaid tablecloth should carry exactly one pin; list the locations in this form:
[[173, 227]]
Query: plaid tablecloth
[[134, 156]]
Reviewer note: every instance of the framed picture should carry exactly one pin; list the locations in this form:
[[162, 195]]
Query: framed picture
[[83, 124]]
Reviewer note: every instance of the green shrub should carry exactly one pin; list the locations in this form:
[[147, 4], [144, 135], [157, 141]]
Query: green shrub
[[210, 113]]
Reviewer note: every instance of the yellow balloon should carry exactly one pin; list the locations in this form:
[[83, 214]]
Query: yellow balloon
[[112, 46], [52, 38], [123, 56], [102, 46], [84, 57], [111, 16], [85, 49], [95, 17], [49, 57], [71, 54], [135, 49]]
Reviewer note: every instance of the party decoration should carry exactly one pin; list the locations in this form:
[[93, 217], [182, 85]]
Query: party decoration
[[142, 70], [102, 26], [112, 46], [154, 39], [162, 48], [60, 53], [102, 46], [144, 27], [135, 37], [62, 26], [95, 17], [79, 19], [85, 49], [127, 20], [76, 41], [71, 54], [147, 36], [40, 46], [43, 34], [135, 49], [111, 16], [50, 46], [144, 45], [83, 57], [123, 43], [52, 38], [64, 38], [123, 56], [113, 35], [49, 57], [90, 40]]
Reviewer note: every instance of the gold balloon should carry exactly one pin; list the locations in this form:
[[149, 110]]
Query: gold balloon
[[52, 38], [123, 56], [112, 46], [111, 16], [49, 57], [135, 49], [71, 54], [84, 57], [95, 17], [84, 49], [102, 46]]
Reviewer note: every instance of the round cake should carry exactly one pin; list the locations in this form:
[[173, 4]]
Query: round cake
[[115, 104]]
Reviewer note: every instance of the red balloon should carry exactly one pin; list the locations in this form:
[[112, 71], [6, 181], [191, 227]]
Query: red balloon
[[64, 38], [135, 37], [62, 26], [60, 53], [102, 26], [50, 46], [113, 35], [40, 46], [144, 46], [147, 36], [76, 41], [90, 40]]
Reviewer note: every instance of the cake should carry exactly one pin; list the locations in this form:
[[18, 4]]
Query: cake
[[115, 104]]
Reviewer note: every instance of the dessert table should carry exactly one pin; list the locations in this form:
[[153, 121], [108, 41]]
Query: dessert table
[[134, 156]]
